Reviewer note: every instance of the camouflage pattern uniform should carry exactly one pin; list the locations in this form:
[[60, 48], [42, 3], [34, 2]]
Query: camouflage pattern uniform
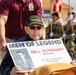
[[69, 42], [75, 42], [48, 30], [57, 29]]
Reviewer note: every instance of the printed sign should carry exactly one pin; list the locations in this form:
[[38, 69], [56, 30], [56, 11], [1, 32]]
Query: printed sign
[[41, 52]]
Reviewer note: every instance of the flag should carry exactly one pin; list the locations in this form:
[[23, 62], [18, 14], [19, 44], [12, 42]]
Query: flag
[[56, 6]]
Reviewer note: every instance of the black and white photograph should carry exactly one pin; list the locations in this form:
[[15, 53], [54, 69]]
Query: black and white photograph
[[22, 58]]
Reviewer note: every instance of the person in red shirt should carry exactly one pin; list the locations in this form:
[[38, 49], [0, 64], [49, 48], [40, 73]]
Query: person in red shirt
[[13, 15]]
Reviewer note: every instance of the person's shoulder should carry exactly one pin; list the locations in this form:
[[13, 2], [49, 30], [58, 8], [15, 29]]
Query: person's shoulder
[[58, 23], [21, 39]]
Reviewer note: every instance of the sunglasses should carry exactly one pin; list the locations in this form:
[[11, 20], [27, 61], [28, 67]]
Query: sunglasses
[[33, 27]]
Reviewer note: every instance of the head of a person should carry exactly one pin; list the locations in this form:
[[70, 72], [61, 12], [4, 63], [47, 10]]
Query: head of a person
[[55, 16], [34, 27], [21, 54], [73, 13]]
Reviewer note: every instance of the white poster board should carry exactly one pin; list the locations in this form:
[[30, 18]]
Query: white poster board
[[42, 52]]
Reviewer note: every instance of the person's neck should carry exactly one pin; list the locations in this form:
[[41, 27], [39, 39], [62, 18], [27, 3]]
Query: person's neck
[[24, 1]]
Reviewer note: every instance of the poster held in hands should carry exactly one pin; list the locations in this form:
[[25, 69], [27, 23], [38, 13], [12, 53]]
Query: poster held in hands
[[38, 53]]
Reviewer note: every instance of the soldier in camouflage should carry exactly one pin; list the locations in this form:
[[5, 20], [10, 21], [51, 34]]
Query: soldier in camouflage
[[69, 35], [55, 28]]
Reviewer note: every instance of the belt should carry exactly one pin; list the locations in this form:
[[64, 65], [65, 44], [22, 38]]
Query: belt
[[14, 39]]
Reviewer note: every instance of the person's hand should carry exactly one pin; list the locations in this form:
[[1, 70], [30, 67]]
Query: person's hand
[[3, 46], [70, 17], [16, 71], [50, 20], [64, 36], [73, 34], [73, 63], [51, 34]]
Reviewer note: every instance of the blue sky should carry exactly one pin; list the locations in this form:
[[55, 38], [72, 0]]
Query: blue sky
[[72, 2]]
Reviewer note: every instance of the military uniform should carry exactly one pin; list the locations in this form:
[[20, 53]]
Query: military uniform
[[69, 40], [57, 29], [75, 42], [48, 30]]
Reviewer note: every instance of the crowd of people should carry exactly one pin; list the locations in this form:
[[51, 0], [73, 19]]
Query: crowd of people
[[21, 20], [65, 31]]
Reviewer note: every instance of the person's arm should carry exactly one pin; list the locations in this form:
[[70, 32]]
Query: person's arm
[[3, 20], [6, 64], [38, 9]]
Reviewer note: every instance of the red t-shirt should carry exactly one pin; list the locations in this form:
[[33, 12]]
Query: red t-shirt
[[18, 13]]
